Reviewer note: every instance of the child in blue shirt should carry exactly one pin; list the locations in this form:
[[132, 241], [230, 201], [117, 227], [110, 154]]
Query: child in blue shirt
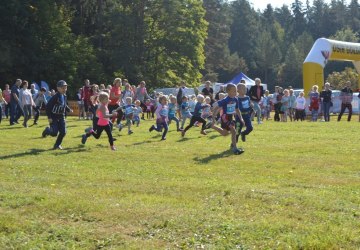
[[197, 115], [137, 112], [245, 106], [230, 107], [129, 113], [172, 111], [185, 111]]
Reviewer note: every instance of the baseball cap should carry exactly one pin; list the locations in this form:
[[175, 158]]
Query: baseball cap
[[61, 83]]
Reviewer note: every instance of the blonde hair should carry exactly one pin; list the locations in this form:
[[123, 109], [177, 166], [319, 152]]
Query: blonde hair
[[103, 96], [129, 99], [200, 98], [117, 80], [241, 86]]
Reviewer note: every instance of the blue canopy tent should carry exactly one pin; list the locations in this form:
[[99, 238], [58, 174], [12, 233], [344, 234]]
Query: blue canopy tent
[[248, 81], [236, 80]]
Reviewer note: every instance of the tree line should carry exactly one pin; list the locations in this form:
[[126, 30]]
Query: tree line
[[166, 41]]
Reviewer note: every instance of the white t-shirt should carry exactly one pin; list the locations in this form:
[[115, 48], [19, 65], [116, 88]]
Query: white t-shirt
[[26, 97], [300, 102]]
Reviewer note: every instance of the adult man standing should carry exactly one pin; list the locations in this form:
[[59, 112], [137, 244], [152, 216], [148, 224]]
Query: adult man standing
[[15, 111], [180, 94], [256, 92], [208, 91], [346, 97]]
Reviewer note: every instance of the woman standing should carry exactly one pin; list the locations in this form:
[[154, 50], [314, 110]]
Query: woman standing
[[27, 102]]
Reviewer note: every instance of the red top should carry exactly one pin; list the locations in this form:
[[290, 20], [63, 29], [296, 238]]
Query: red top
[[86, 93], [7, 95], [116, 92]]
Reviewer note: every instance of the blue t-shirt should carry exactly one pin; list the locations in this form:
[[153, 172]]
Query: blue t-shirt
[[164, 112], [14, 90], [129, 109], [185, 108], [198, 108], [229, 105], [244, 104], [172, 109], [137, 111]]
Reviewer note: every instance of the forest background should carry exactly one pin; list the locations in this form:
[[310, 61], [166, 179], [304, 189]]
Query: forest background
[[166, 41]]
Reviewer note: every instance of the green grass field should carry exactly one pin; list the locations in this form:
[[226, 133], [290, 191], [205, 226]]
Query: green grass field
[[297, 186]]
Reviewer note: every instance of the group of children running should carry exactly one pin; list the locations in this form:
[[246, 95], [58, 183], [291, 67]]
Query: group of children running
[[231, 112]]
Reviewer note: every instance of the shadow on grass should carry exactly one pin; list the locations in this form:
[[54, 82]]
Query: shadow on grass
[[139, 143], [212, 157], [36, 151], [33, 151], [11, 127], [77, 149], [186, 139]]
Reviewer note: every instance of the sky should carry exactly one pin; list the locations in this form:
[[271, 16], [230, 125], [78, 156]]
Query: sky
[[261, 4]]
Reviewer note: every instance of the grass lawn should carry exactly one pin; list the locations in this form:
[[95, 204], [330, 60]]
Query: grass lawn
[[297, 186]]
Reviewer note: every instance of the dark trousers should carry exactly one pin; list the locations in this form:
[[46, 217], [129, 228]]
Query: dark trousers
[[277, 107], [107, 129], [58, 128], [343, 107], [326, 110], [300, 114], [160, 125], [7, 110], [36, 114], [248, 124], [0, 112], [196, 119], [15, 112]]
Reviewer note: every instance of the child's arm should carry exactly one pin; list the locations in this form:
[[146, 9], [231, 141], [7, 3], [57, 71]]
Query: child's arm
[[216, 109], [240, 116], [106, 114]]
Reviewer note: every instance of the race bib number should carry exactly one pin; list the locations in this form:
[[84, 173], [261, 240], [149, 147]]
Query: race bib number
[[245, 104], [230, 108]]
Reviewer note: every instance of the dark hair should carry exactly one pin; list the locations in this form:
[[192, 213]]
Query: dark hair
[[43, 89], [23, 83]]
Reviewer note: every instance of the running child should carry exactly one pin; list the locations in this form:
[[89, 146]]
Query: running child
[[185, 111], [55, 111], [162, 112], [199, 106], [245, 106], [103, 122], [206, 113], [137, 112], [172, 111], [230, 107], [129, 113]]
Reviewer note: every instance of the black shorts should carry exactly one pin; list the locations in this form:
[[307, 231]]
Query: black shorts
[[227, 122]]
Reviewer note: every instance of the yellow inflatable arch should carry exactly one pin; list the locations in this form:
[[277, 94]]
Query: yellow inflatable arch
[[322, 51]]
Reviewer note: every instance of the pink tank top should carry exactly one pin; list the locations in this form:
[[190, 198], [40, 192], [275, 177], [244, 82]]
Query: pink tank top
[[102, 121]]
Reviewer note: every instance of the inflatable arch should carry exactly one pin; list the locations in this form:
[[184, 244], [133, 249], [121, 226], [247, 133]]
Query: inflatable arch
[[322, 51]]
